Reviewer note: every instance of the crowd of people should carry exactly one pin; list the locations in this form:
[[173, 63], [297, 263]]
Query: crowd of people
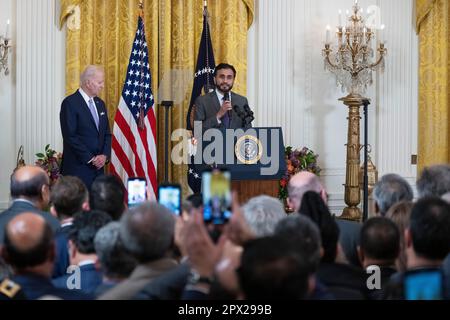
[[71, 242]]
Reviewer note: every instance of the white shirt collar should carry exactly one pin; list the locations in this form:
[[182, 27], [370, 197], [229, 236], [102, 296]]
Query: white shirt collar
[[220, 96], [85, 96]]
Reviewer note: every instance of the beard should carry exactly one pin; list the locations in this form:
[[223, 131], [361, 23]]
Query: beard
[[225, 87]]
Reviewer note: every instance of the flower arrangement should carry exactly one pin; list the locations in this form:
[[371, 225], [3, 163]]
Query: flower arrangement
[[50, 161], [296, 161]]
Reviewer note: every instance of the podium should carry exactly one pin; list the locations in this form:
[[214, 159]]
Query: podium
[[254, 157]]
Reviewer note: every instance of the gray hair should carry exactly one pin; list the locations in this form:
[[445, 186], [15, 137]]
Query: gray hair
[[391, 189], [262, 214], [147, 231], [114, 259], [434, 181], [305, 236], [89, 72]]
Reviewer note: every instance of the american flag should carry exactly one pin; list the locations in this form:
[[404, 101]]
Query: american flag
[[134, 133], [203, 80]]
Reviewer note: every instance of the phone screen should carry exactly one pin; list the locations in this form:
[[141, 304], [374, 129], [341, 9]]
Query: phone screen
[[216, 191], [423, 285], [137, 191], [170, 197]]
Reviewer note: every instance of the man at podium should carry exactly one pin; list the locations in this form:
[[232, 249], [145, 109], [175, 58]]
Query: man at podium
[[221, 108]]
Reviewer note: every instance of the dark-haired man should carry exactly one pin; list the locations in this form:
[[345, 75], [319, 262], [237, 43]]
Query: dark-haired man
[[30, 191], [108, 195], [380, 247], [427, 242], [216, 109], [82, 250], [68, 197]]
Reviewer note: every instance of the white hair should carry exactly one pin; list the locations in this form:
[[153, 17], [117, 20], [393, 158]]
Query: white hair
[[89, 72], [262, 214]]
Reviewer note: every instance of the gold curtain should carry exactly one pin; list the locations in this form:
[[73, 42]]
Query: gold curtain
[[173, 29], [433, 27]]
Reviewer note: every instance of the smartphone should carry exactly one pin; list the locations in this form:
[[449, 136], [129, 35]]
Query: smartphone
[[216, 191], [169, 195], [137, 191], [423, 285]]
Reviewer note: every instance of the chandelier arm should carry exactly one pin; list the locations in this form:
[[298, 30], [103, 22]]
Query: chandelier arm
[[328, 60], [373, 65]]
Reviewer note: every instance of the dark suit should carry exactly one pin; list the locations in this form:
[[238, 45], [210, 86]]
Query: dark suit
[[90, 279], [35, 287], [349, 239], [62, 252], [19, 207], [344, 281], [207, 107], [82, 140]]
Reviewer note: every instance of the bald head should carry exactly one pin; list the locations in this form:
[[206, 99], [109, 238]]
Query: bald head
[[301, 183], [28, 239], [25, 230], [28, 182]]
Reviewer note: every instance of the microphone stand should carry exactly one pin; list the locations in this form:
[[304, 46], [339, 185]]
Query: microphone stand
[[366, 103], [167, 105]]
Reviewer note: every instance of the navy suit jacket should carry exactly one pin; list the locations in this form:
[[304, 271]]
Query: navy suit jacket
[[82, 140], [19, 207], [35, 287], [91, 278], [62, 261]]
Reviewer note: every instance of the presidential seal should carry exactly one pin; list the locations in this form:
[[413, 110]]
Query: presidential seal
[[248, 149]]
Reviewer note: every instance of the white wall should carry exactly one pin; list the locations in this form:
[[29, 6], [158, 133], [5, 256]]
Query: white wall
[[288, 87], [30, 96], [7, 106]]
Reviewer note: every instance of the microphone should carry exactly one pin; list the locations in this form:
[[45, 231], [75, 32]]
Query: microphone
[[226, 97]]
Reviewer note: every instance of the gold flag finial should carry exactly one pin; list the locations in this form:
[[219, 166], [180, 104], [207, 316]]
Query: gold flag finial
[[141, 4], [205, 4]]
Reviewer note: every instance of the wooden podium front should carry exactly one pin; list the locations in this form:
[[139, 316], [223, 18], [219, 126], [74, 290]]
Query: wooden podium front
[[247, 189]]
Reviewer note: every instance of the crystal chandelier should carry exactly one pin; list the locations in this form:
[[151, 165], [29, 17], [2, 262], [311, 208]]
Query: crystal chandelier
[[352, 58]]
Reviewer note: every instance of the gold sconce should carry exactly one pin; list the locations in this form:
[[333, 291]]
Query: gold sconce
[[20, 162], [5, 47]]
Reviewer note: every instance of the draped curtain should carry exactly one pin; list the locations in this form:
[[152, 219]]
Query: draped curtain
[[102, 31], [433, 27]]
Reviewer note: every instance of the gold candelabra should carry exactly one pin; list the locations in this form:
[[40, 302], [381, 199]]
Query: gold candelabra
[[352, 60], [5, 47]]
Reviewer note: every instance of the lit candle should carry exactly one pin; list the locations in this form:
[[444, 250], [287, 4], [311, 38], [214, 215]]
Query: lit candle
[[340, 18], [7, 29], [382, 33], [328, 35]]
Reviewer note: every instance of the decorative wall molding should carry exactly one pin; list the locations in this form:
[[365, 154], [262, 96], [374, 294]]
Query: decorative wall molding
[[40, 76]]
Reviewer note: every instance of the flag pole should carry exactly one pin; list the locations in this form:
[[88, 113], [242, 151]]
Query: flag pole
[[141, 109]]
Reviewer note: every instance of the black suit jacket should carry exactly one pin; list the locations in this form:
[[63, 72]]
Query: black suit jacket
[[19, 207], [82, 140], [207, 106]]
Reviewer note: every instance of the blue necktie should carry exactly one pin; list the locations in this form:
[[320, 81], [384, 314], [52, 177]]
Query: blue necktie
[[93, 112]]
